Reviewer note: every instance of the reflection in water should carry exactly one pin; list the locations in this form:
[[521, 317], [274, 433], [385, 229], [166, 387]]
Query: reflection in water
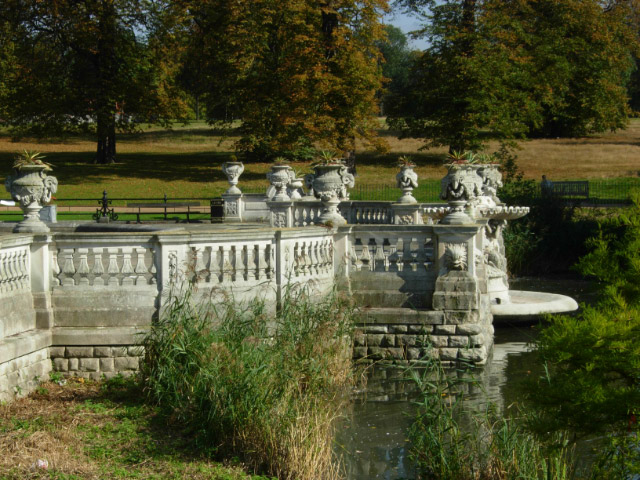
[[373, 437]]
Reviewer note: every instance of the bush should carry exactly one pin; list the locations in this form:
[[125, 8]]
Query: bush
[[592, 382], [452, 442], [262, 387]]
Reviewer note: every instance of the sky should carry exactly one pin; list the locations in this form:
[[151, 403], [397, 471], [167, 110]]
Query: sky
[[406, 23]]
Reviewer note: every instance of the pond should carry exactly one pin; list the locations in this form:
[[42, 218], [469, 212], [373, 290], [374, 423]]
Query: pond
[[373, 438]]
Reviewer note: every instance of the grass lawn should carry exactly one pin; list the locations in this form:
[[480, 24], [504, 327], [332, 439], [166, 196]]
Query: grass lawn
[[185, 163], [88, 430]]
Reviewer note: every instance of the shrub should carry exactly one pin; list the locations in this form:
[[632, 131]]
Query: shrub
[[263, 387], [453, 442]]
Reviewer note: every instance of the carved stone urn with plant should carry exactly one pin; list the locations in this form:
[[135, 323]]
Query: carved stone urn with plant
[[406, 180], [31, 187], [461, 186], [330, 182]]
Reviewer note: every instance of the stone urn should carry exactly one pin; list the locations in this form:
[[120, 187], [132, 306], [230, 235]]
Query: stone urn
[[461, 188], [407, 180], [31, 187], [491, 182], [294, 189], [279, 178], [233, 170], [330, 183]]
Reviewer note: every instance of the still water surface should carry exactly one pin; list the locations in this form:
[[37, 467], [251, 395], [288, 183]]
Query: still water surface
[[373, 437]]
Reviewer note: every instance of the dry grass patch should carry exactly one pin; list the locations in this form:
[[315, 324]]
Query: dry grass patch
[[94, 430], [185, 161]]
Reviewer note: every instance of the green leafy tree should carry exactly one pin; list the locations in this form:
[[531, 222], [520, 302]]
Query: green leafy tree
[[397, 62], [592, 381], [298, 74], [510, 69], [98, 65]]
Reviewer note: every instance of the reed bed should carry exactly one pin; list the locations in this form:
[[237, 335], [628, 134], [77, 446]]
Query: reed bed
[[264, 387]]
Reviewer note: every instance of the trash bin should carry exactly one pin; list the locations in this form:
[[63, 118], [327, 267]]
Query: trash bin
[[217, 210]]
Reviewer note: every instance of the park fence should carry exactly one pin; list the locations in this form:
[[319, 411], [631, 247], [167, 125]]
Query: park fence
[[601, 193]]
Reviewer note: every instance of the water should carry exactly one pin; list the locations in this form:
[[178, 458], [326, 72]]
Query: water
[[373, 437]]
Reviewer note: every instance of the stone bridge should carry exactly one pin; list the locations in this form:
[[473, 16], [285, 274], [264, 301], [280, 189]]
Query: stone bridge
[[75, 298]]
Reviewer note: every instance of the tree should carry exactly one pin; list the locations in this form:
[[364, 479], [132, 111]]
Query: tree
[[296, 73], [592, 381], [97, 65], [397, 61], [513, 68]]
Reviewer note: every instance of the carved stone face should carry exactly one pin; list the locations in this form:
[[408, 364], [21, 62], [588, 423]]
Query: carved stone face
[[455, 256]]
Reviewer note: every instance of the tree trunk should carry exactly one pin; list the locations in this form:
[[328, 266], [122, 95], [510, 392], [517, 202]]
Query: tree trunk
[[107, 71], [106, 152]]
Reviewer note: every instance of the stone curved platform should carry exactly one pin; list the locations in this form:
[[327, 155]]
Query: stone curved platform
[[531, 304]]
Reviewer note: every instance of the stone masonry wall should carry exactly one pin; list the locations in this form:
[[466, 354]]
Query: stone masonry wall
[[96, 362], [402, 335], [23, 374]]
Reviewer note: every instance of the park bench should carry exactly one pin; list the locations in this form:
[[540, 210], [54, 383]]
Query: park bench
[[577, 188], [164, 205]]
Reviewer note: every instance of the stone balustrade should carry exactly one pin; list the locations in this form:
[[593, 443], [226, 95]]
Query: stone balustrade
[[87, 296]]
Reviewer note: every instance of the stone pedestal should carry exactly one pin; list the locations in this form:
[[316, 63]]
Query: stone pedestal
[[49, 214], [281, 213], [233, 207], [406, 214]]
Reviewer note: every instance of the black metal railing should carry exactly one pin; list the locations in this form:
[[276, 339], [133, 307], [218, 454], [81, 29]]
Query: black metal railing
[[600, 193]]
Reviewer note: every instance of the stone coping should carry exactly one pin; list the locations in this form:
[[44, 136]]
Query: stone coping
[[97, 335], [23, 344]]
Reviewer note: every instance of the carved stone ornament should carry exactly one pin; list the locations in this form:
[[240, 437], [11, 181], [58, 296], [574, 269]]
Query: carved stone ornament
[[491, 182], [455, 256], [279, 177], [233, 170], [231, 208], [294, 189], [334, 178], [330, 183], [31, 187], [279, 219], [407, 180], [462, 182]]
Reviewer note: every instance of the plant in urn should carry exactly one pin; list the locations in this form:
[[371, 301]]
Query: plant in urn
[[407, 180], [233, 170], [31, 187], [330, 182], [461, 187]]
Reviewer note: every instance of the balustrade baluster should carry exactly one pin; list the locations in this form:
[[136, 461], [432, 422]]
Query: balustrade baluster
[[83, 266], [68, 269], [113, 269]]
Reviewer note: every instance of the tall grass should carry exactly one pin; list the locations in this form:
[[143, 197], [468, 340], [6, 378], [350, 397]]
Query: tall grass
[[260, 387], [450, 441]]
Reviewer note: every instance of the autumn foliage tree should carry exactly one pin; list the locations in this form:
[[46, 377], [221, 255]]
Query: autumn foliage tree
[[97, 65], [297, 73]]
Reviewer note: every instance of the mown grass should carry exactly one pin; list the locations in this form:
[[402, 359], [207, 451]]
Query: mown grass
[[185, 161], [99, 430]]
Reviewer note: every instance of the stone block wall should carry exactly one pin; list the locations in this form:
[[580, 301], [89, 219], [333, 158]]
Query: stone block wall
[[401, 335], [22, 375], [96, 362]]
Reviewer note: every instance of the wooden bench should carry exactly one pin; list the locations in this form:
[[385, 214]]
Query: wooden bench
[[579, 188], [164, 205]]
